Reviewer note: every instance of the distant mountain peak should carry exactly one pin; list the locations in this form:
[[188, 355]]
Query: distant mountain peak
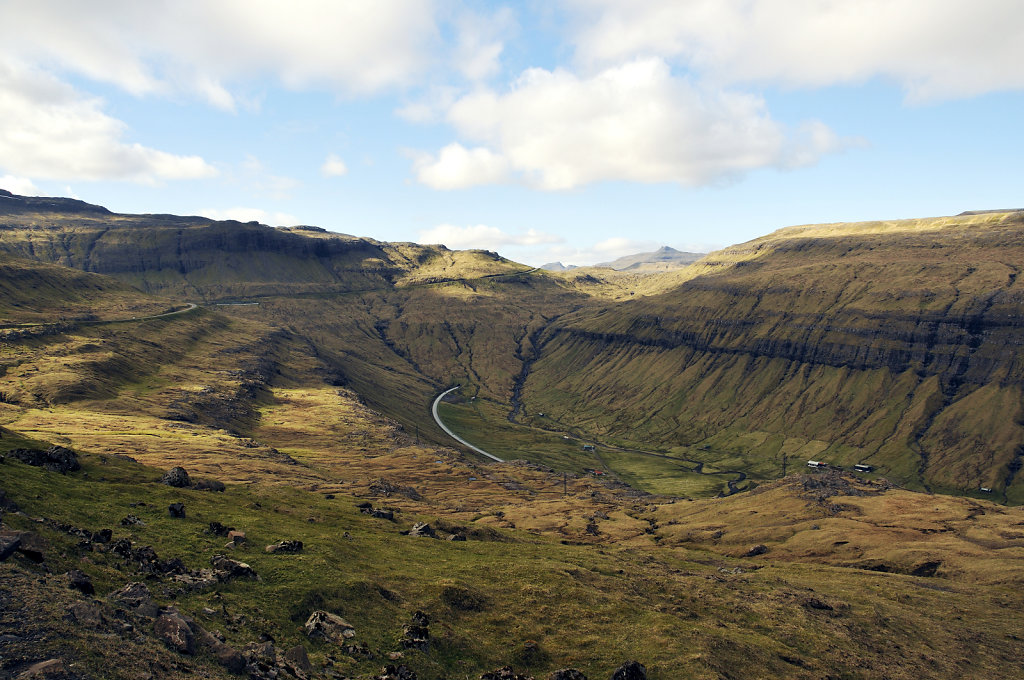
[[663, 256]]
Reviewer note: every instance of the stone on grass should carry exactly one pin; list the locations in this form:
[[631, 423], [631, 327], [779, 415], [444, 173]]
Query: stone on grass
[[284, 547], [567, 674], [759, 549], [79, 580], [176, 510], [175, 632], [51, 669], [176, 477], [328, 626], [631, 670]]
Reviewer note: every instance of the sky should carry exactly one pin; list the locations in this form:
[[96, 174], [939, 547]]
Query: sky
[[565, 130]]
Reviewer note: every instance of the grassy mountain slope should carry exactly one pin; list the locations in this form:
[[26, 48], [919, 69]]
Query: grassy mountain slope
[[856, 579], [893, 344]]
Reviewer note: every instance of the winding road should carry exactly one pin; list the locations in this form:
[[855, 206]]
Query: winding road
[[437, 419]]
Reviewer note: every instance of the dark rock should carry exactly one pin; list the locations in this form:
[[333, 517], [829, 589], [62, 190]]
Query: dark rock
[[218, 529], [504, 673], [176, 477], [176, 510], [365, 506], [390, 672], [56, 458], [357, 650], [132, 596], [457, 537], [298, 658], [383, 514], [228, 656], [102, 536], [171, 566], [759, 549], [208, 485], [131, 521], [260, 661], [567, 674], [86, 614], [631, 670], [175, 632], [327, 626], [31, 546], [416, 635], [284, 547], [815, 603], [232, 568], [422, 529], [79, 580], [52, 669], [9, 542], [236, 537]]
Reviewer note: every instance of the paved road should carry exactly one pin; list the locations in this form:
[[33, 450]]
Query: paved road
[[437, 419]]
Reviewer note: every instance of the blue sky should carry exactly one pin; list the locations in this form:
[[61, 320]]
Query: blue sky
[[562, 130]]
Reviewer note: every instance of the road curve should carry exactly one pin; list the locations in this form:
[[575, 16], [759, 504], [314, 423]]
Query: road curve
[[437, 419]]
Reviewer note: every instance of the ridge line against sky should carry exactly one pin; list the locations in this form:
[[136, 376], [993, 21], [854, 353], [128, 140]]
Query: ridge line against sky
[[574, 131]]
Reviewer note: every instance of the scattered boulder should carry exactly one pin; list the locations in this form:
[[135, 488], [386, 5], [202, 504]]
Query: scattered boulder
[[422, 529], [383, 514], [10, 541], [102, 536], [631, 670], [390, 672], [86, 614], [29, 545], [299, 659], [456, 537], [567, 674], [132, 521], [177, 510], [56, 458], [327, 626], [232, 568], [759, 549], [135, 597], [208, 485], [284, 547], [79, 580], [218, 529], [176, 477], [175, 632], [260, 660], [236, 538], [504, 673], [52, 669], [416, 635], [227, 656]]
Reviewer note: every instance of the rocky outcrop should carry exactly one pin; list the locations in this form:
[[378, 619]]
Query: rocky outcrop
[[175, 632], [176, 477], [56, 458], [284, 546], [631, 670], [324, 625]]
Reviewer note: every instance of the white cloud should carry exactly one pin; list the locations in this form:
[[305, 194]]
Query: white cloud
[[483, 237], [480, 43], [277, 219], [937, 49], [635, 122], [456, 167], [257, 179], [22, 186], [51, 131], [205, 46], [333, 166]]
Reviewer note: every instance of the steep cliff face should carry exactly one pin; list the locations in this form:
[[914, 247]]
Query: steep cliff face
[[198, 258], [894, 344]]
